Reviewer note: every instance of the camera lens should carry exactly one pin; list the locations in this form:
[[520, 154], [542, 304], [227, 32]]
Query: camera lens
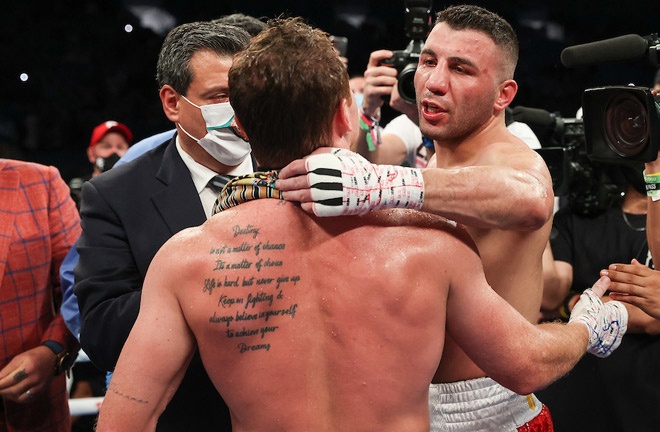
[[626, 125], [406, 84]]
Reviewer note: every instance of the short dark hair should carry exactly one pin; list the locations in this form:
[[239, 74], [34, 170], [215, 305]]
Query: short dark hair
[[250, 24], [471, 17], [285, 89], [182, 42]]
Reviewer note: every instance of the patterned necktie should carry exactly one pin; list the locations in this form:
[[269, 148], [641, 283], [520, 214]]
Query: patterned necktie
[[218, 182]]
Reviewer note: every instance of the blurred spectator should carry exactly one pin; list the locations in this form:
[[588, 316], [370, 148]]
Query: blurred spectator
[[250, 24], [38, 225], [110, 140], [582, 246], [356, 82], [652, 177]]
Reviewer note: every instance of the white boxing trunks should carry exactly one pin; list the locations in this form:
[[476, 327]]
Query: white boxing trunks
[[479, 405]]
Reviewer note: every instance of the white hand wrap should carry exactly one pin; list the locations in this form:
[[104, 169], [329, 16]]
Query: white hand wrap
[[606, 322], [345, 183]]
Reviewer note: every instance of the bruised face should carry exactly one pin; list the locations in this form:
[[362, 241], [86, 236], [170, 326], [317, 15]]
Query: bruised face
[[457, 83]]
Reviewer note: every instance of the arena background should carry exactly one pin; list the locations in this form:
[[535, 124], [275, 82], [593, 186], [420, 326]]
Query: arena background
[[67, 65]]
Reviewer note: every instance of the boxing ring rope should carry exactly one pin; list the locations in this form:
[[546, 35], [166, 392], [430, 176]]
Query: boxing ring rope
[[83, 406]]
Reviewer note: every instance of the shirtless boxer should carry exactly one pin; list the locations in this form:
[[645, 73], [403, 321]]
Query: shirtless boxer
[[486, 178], [324, 324]]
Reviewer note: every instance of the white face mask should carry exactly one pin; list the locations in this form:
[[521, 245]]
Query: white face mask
[[221, 142]]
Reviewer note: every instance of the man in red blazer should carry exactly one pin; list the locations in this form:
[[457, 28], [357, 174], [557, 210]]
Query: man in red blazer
[[39, 223]]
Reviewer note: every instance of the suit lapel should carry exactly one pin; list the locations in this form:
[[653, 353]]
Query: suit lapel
[[178, 202], [9, 181]]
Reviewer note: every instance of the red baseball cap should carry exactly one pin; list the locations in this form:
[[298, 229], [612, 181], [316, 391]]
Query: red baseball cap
[[110, 126]]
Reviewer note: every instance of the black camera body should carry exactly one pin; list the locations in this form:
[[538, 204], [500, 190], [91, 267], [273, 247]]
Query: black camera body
[[594, 162], [621, 124], [618, 132], [589, 187], [562, 150], [418, 25], [405, 63]]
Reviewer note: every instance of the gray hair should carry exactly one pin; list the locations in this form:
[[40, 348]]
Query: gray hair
[[182, 42], [250, 24]]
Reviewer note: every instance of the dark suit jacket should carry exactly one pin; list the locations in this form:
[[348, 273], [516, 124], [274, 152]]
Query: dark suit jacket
[[127, 214], [38, 225]]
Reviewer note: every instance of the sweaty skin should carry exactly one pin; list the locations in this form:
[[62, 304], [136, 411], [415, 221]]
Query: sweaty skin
[[490, 180], [309, 323]]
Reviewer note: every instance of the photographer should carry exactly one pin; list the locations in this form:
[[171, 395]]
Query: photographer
[[400, 142], [389, 76]]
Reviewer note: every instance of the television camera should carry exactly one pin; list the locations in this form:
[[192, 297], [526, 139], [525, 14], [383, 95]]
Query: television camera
[[621, 123], [619, 128], [589, 187]]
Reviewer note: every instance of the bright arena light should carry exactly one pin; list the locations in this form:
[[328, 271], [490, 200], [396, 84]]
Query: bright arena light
[[128, 28], [24, 77]]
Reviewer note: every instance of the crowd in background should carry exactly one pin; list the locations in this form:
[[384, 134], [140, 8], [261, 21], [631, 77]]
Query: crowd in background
[[85, 69]]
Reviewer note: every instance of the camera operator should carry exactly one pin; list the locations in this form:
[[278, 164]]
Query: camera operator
[[582, 245], [626, 232], [635, 283]]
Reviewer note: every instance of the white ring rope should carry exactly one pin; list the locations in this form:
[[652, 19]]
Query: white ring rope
[[83, 406]]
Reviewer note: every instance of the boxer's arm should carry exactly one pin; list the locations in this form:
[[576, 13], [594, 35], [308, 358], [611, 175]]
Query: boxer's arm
[[519, 355], [155, 356], [491, 196], [342, 183]]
